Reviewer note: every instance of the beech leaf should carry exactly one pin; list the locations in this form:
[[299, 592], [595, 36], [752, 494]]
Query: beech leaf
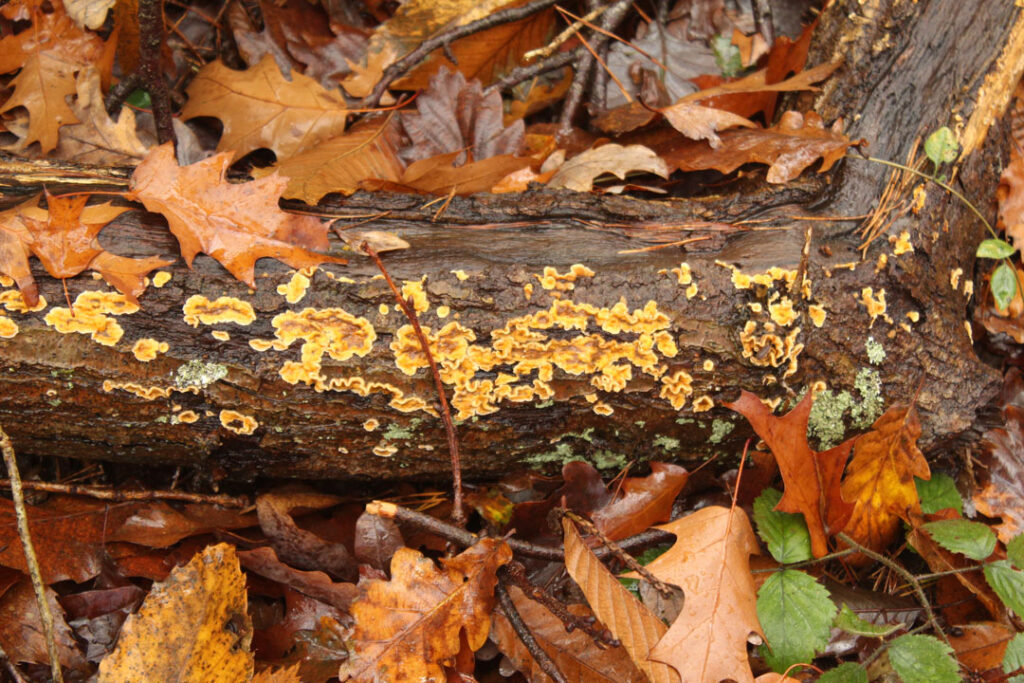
[[701, 123], [580, 172]]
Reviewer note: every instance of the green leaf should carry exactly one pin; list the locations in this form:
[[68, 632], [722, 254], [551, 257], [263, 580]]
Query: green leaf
[[785, 533], [727, 55], [845, 673], [1008, 583], [923, 659], [1015, 551], [848, 620], [1013, 659], [973, 539], [938, 493], [796, 614], [1004, 285], [996, 249], [941, 146], [140, 99]]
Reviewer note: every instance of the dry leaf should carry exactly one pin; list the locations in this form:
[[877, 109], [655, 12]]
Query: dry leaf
[[315, 584], [21, 629], [408, 626], [811, 478], [296, 546], [1010, 195], [234, 223], [1000, 494], [437, 175], [260, 108], [283, 675], [191, 627], [627, 618], [579, 172], [710, 561], [642, 501], [88, 13], [573, 652], [700, 123], [880, 478], [97, 139]]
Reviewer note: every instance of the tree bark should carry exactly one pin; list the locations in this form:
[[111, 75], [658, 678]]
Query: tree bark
[[629, 356]]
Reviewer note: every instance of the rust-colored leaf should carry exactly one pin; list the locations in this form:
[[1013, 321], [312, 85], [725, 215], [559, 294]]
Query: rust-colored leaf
[[14, 251], [297, 546], [981, 646], [234, 223], [436, 175], [880, 478], [193, 626], [811, 478], [573, 652], [21, 628], [260, 108], [66, 243], [316, 584], [701, 123], [406, 627], [635, 626], [580, 172], [1000, 494], [1010, 195], [98, 139], [710, 561], [642, 501]]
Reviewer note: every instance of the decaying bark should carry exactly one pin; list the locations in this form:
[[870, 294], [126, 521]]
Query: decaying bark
[[629, 356]]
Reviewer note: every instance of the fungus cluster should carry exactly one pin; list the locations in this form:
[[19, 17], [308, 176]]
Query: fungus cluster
[[563, 282], [296, 287], [147, 349], [237, 422], [90, 314], [226, 309]]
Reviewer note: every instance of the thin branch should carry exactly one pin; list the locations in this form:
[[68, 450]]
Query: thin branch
[[444, 38], [118, 495], [45, 616], [522, 73], [458, 515], [545, 662]]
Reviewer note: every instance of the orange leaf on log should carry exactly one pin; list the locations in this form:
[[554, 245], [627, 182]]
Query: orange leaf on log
[[811, 477], [880, 479], [234, 223], [406, 627]]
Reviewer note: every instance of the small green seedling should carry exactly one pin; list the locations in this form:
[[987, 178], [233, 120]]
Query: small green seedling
[[727, 55], [942, 148]]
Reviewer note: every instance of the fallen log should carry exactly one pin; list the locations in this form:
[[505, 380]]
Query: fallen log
[[557, 339]]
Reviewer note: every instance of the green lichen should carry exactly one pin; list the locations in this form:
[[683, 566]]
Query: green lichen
[[876, 354], [826, 422], [395, 432], [196, 373], [64, 373], [546, 404], [609, 460], [55, 402], [719, 430], [562, 454], [587, 435], [163, 419], [684, 420], [640, 423], [667, 442]]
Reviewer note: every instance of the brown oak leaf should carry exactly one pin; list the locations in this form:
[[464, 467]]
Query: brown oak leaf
[[811, 478], [234, 223]]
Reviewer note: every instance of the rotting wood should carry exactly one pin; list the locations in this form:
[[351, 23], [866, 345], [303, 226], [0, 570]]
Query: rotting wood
[[621, 345]]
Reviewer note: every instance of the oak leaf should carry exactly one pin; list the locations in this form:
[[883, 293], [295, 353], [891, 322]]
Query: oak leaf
[[811, 478], [406, 627], [234, 223], [642, 501], [437, 175], [260, 108], [1000, 493], [880, 478], [580, 172], [633, 624], [701, 123], [21, 628], [1010, 194], [193, 626], [710, 561]]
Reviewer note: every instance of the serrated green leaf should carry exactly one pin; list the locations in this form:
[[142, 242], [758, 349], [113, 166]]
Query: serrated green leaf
[[973, 539], [997, 249], [1015, 551], [845, 673], [727, 55], [1003, 285], [848, 620], [1008, 583], [1013, 659], [941, 146], [785, 533], [796, 614], [938, 493], [923, 659]]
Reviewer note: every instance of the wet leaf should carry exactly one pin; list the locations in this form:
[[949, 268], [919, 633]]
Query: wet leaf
[[784, 533], [296, 546], [796, 614], [996, 249], [642, 501], [941, 146], [21, 628], [580, 172], [973, 539], [1000, 493]]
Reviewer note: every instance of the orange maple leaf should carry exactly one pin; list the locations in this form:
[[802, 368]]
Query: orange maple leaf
[[234, 223], [811, 478], [406, 627], [880, 478], [710, 561]]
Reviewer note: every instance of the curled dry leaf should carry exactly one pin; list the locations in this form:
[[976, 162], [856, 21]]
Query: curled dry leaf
[[642, 501], [234, 223], [296, 546], [880, 478], [1000, 494], [193, 626], [635, 626], [406, 627], [260, 108], [710, 561], [315, 584], [811, 477], [701, 123], [580, 172]]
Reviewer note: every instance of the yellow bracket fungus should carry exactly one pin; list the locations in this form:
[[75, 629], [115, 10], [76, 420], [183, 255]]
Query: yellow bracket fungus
[[146, 350], [553, 280], [161, 278], [91, 316], [294, 289], [236, 422], [225, 309], [13, 301]]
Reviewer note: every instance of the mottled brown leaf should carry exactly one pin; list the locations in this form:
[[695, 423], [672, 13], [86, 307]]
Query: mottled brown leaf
[[580, 172], [21, 629], [642, 501], [296, 546]]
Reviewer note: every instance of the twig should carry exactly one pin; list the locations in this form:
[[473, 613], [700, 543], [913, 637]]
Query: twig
[[458, 515], [567, 33], [446, 37], [907, 576], [545, 662], [11, 669], [30, 555], [621, 554], [522, 73], [117, 495]]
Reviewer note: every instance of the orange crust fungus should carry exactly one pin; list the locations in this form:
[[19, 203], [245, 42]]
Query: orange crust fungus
[[901, 244], [702, 404], [13, 301], [384, 450], [603, 409], [676, 387], [220, 335], [768, 349], [553, 280], [184, 417], [460, 275], [6, 281], [371, 424], [413, 290], [225, 309], [146, 350], [874, 305], [91, 316], [328, 330], [781, 310], [683, 273], [148, 393], [294, 289], [8, 328], [817, 314], [161, 278], [442, 311], [236, 422]]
